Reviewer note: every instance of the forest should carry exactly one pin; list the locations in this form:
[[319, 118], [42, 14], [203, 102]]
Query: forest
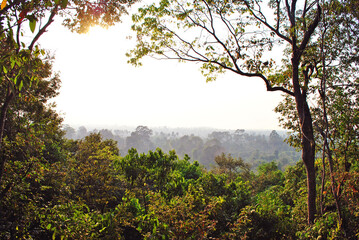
[[201, 144], [61, 183]]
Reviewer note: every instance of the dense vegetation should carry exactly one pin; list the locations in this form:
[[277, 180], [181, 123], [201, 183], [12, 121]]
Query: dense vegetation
[[52, 187], [83, 189], [307, 50], [253, 147], [60, 188]]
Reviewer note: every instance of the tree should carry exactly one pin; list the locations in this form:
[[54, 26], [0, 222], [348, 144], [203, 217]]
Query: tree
[[32, 148], [82, 132], [140, 139], [223, 137], [211, 149], [191, 145], [147, 170], [334, 108], [106, 134], [184, 217], [70, 132], [23, 63], [233, 36], [337, 118], [90, 175], [268, 175], [231, 166]]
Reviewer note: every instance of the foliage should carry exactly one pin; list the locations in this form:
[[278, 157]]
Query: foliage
[[31, 148], [253, 147], [231, 166], [268, 175], [159, 196], [318, 54], [147, 169], [23, 63], [325, 227], [31, 140], [90, 176], [52, 187], [71, 221], [185, 217]]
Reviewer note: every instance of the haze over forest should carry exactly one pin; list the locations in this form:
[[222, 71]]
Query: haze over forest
[[211, 179], [201, 144]]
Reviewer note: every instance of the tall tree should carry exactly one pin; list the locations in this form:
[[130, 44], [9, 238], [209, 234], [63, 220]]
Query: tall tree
[[90, 175], [140, 139], [335, 112], [32, 146], [237, 36]]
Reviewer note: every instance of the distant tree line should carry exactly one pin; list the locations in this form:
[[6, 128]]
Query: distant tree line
[[253, 147], [52, 187]]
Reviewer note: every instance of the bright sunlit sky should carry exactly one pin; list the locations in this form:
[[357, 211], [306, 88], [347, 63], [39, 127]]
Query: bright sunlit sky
[[100, 89]]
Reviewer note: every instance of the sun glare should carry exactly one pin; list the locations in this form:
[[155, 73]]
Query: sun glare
[[95, 30], [99, 45], [97, 34], [99, 86]]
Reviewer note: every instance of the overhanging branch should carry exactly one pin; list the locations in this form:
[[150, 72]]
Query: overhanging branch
[[43, 29]]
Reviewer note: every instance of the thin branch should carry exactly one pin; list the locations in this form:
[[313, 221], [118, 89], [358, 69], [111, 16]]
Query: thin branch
[[293, 9], [43, 29], [303, 15], [18, 36], [183, 41], [278, 16], [230, 29], [186, 56], [310, 30], [211, 17], [289, 12], [275, 30]]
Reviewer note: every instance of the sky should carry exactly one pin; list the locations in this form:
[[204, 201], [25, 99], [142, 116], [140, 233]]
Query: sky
[[100, 89]]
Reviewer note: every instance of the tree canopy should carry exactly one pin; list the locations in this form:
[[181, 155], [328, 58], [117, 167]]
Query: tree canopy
[[23, 63], [286, 44], [52, 187]]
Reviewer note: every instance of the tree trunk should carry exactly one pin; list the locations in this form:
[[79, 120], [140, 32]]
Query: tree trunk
[[308, 155], [307, 137], [9, 96], [308, 158]]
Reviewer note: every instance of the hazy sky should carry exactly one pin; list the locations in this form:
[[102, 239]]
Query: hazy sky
[[99, 88]]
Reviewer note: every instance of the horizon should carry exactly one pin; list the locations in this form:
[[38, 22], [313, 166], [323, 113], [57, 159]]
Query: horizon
[[99, 87], [170, 129]]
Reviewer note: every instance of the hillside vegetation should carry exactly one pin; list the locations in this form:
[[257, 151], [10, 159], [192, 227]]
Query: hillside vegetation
[[58, 183]]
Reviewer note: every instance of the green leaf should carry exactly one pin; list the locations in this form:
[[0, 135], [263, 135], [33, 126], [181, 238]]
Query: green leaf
[[12, 60], [21, 85], [64, 3], [32, 24], [4, 69]]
